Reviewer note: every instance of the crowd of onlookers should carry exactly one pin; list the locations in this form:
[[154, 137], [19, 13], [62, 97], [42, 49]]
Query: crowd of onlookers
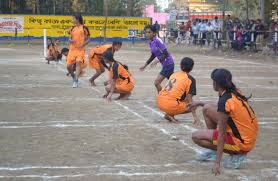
[[239, 34]]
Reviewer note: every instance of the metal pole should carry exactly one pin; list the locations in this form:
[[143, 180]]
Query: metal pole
[[28, 37], [275, 40], [44, 43]]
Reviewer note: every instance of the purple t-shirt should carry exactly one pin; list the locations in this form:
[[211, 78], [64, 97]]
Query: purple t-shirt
[[157, 47]]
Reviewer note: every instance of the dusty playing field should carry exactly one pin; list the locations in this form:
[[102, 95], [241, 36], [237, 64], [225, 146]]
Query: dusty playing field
[[50, 131]]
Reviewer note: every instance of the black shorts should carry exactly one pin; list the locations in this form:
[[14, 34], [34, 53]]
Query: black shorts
[[167, 70]]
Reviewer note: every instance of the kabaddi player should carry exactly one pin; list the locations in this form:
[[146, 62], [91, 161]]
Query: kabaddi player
[[232, 124], [175, 97], [95, 58], [79, 38], [120, 80], [159, 51]]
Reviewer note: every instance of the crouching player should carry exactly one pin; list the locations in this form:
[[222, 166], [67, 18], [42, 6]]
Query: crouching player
[[232, 126], [175, 97], [120, 80], [95, 59]]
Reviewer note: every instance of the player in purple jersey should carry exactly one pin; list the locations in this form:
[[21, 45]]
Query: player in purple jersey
[[159, 51]]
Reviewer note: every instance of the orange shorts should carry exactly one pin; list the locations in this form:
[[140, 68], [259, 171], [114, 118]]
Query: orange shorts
[[229, 142], [124, 87], [170, 106], [95, 63], [75, 56]]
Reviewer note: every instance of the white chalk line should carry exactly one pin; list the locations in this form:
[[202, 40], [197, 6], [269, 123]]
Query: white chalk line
[[61, 121], [241, 61], [65, 167], [269, 78], [32, 86], [143, 118], [120, 173], [67, 176], [211, 98], [88, 99], [60, 125], [138, 115], [210, 86], [50, 99], [7, 49]]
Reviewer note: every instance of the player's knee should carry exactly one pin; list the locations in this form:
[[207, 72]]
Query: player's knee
[[206, 109], [196, 136]]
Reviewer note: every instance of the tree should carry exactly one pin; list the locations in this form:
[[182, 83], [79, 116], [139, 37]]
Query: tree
[[240, 8]]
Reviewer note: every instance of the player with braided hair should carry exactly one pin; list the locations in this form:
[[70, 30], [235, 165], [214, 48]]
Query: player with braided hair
[[232, 124]]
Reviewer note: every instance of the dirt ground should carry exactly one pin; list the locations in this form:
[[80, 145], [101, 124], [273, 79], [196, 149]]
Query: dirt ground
[[50, 131]]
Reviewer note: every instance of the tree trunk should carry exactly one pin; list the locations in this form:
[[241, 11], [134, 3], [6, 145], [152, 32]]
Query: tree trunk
[[38, 6], [105, 13], [129, 7], [54, 7], [247, 9], [262, 10]]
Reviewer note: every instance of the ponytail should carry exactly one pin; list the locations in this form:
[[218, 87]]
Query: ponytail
[[223, 78]]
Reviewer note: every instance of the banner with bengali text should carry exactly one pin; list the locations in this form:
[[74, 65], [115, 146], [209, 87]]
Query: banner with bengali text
[[59, 26]]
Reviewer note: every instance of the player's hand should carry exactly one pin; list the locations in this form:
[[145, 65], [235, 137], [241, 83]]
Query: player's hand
[[142, 68], [193, 106], [216, 169]]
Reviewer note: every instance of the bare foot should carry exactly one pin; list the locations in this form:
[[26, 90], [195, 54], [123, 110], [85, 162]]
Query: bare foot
[[125, 96], [92, 82], [120, 97], [171, 119]]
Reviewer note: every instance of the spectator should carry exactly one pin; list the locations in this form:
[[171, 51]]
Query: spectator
[[209, 32], [182, 29], [203, 32], [229, 30], [195, 32], [157, 27], [217, 29], [259, 34]]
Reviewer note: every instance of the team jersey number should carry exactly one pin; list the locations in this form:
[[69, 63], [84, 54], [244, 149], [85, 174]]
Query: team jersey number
[[170, 85]]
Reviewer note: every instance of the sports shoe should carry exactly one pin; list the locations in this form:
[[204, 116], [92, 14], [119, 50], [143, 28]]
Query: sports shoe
[[75, 84], [206, 155], [234, 161]]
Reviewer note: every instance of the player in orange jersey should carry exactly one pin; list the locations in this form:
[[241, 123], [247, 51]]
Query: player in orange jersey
[[232, 124], [120, 80], [79, 38], [175, 97], [95, 58]]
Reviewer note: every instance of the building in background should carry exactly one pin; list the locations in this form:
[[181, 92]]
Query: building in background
[[161, 18], [203, 5], [164, 4]]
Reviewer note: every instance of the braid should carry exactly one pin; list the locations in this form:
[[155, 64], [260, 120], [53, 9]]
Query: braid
[[223, 78], [235, 91]]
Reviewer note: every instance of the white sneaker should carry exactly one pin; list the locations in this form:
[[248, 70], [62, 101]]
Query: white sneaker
[[75, 84], [234, 161], [206, 155]]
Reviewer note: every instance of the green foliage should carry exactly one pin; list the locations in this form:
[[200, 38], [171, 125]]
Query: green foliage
[[239, 8], [67, 7]]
